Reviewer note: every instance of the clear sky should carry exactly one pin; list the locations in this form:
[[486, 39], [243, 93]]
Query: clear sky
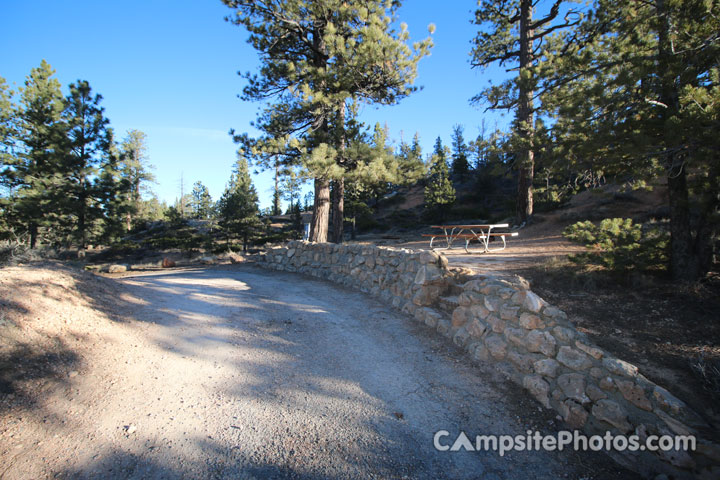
[[169, 68]]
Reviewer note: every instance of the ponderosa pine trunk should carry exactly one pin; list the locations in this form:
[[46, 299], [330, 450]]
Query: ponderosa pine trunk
[[338, 191], [321, 211], [525, 186], [321, 206], [707, 229], [525, 118], [684, 258], [684, 265], [276, 192], [338, 210], [82, 222], [33, 230]]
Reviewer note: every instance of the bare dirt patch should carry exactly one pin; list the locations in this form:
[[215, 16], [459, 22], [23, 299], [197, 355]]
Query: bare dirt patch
[[49, 318]]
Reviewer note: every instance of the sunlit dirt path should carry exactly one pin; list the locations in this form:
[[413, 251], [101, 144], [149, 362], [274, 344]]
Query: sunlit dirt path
[[231, 372]]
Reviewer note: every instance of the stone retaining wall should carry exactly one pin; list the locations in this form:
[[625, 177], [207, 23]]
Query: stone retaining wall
[[499, 320]]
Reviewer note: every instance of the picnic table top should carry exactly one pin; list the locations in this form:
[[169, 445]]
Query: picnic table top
[[492, 225]]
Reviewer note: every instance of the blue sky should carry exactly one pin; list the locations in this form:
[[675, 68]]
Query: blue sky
[[169, 68]]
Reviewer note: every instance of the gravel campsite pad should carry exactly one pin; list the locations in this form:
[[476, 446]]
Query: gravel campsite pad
[[236, 372]]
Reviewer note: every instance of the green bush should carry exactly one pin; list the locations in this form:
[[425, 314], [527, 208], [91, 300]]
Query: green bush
[[620, 245]]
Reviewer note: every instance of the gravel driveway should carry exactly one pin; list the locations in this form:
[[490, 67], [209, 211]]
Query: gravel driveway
[[237, 372]]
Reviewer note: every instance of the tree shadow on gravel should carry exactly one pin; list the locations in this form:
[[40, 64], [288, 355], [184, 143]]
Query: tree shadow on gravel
[[118, 301], [303, 360], [123, 465], [23, 369], [221, 464], [9, 306]]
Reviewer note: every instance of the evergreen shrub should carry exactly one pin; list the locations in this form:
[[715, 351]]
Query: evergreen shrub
[[620, 245]]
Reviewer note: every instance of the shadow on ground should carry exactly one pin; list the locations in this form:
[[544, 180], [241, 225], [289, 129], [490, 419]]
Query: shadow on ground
[[331, 384]]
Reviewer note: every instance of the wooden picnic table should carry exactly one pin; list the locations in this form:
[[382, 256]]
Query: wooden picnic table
[[482, 233]]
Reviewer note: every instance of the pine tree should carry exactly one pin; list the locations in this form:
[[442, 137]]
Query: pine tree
[[152, 209], [8, 134], [238, 206], [88, 146], [441, 151], [60, 164], [376, 166], [38, 170], [460, 164], [182, 205], [308, 201], [112, 192], [320, 57], [639, 98], [510, 36], [136, 171], [479, 148], [291, 186], [277, 192], [410, 162], [201, 203], [439, 192]]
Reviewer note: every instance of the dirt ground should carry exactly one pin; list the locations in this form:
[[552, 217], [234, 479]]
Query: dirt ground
[[238, 372]]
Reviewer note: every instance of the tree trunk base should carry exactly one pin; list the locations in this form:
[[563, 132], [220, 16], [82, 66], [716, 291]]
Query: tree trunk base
[[321, 211]]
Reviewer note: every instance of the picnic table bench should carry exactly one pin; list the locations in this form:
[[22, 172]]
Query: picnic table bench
[[481, 233]]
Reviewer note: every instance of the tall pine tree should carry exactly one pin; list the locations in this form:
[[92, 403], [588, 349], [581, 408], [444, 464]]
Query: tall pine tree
[[439, 191], [410, 162], [460, 165], [639, 98], [113, 191], [38, 170], [136, 171], [60, 164], [88, 146], [511, 36], [238, 206], [8, 134], [291, 189], [318, 58], [201, 204]]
